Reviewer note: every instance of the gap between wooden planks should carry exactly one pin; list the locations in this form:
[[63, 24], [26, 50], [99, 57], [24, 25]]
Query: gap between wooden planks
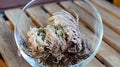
[[108, 6], [36, 15]]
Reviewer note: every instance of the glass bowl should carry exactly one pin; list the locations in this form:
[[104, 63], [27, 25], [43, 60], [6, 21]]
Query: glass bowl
[[90, 25]]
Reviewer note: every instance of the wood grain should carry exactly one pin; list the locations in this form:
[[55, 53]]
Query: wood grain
[[95, 63], [8, 47], [108, 7], [108, 55], [105, 16], [24, 23], [38, 15], [111, 38], [110, 20], [52, 8]]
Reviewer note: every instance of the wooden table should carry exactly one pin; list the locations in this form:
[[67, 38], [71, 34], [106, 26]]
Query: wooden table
[[109, 52]]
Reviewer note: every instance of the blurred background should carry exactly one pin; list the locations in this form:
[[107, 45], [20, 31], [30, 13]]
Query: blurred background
[[9, 4]]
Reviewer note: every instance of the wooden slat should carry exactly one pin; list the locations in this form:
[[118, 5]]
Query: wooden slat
[[35, 13], [108, 56], [2, 63], [24, 22], [110, 20], [110, 36], [111, 53], [57, 8], [8, 47], [108, 7], [95, 63], [52, 8], [8, 23], [105, 16]]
